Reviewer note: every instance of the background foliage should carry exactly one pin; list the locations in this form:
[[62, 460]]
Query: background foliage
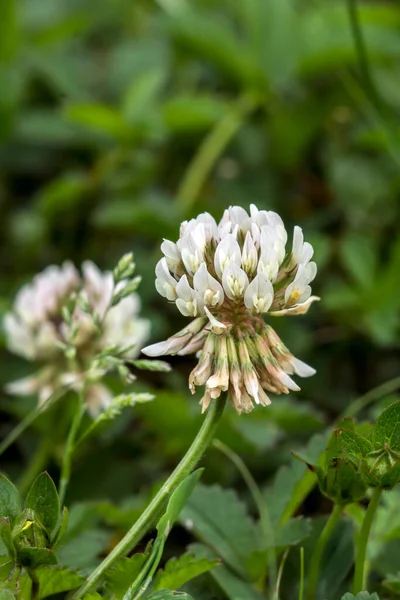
[[120, 119]]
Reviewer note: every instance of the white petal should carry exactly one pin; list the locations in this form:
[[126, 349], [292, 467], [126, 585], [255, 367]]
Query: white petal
[[259, 294], [297, 309], [311, 271], [192, 259], [23, 387], [171, 253], [288, 382], [298, 240], [165, 283], [209, 288], [307, 253], [301, 368], [19, 337], [210, 226], [170, 346], [216, 326], [183, 289], [228, 251], [234, 281], [249, 255]]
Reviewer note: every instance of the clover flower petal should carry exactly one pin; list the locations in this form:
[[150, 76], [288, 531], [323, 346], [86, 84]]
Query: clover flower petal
[[103, 323], [231, 276]]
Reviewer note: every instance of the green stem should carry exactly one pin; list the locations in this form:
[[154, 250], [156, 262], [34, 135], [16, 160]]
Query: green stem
[[154, 509], [69, 449], [260, 503], [280, 574], [210, 151], [301, 586], [29, 419], [318, 551], [36, 465], [375, 394], [362, 55], [362, 542]]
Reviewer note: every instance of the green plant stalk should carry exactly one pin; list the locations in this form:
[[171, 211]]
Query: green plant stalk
[[210, 151], [149, 575], [375, 394], [36, 465], [301, 586], [260, 503], [318, 551], [30, 418], [70, 447], [362, 542], [280, 575], [362, 56], [202, 440]]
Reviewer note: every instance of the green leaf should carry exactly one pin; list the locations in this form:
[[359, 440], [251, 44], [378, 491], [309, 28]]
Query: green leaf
[[392, 583], [352, 444], [142, 93], [123, 573], [292, 483], [43, 499], [361, 596], [10, 502], [100, 118], [8, 29], [387, 428], [6, 536], [152, 365], [37, 557], [232, 585], [169, 595], [53, 580], [359, 257], [292, 532], [177, 501], [6, 595], [82, 551], [179, 570], [192, 112], [344, 483], [337, 559], [61, 529], [220, 519]]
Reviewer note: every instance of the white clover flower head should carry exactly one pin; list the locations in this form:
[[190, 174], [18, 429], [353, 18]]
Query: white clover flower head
[[228, 277], [102, 316]]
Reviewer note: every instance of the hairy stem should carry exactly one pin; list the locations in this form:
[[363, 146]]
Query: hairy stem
[[318, 551], [154, 509], [362, 542]]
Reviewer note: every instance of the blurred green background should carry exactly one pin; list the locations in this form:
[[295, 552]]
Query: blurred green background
[[121, 118]]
